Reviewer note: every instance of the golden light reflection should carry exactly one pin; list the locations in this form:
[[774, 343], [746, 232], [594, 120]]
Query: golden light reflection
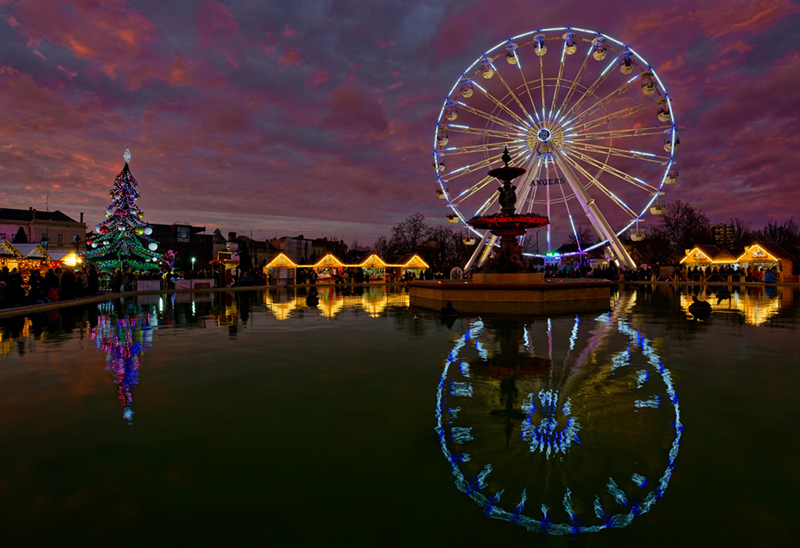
[[281, 303], [374, 301], [756, 304]]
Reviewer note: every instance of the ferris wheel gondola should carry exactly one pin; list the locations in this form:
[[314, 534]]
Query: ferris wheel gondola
[[595, 133]]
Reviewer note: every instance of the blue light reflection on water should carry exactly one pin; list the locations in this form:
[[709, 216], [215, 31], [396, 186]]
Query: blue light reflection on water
[[545, 438]]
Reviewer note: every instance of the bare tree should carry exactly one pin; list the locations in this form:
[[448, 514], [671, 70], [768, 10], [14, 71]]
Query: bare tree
[[743, 235], [683, 226]]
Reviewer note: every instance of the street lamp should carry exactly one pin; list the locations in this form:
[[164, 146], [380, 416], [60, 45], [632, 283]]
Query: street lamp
[[193, 260]]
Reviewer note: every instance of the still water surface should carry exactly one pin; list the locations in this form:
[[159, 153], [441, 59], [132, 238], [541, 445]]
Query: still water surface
[[261, 417]]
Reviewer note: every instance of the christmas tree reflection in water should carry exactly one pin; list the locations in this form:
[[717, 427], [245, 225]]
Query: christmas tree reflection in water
[[561, 426], [124, 333]]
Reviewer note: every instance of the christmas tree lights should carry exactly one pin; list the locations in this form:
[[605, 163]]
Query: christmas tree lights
[[125, 239]]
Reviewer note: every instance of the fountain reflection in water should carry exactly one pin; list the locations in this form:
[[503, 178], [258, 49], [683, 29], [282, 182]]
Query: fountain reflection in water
[[553, 441]]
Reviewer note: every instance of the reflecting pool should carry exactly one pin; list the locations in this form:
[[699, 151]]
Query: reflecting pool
[[345, 417]]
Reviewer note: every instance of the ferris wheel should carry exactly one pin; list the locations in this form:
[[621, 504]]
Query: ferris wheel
[[587, 118]]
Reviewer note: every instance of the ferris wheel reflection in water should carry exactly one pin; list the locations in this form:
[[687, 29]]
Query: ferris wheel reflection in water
[[562, 426]]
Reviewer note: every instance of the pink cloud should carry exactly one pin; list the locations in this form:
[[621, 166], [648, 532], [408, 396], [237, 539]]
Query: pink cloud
[[38, 53], [289, 32], [290, 57], [387, 44], [215, 23], [352, 111], [108, 34], [319, 77]]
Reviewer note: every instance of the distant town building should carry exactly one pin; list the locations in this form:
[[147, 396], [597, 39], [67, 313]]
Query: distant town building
[[304, 251], [55, 229], [187, 241]]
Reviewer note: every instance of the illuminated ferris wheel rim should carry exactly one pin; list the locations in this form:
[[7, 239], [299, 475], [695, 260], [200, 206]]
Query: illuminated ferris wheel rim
[[549, 127]]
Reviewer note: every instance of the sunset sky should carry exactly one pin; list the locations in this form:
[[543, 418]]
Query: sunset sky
[[317, 117]]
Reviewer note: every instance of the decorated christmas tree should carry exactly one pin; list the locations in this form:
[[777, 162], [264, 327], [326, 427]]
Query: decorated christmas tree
[[124, 239]]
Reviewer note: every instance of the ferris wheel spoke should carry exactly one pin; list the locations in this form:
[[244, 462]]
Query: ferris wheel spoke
[[602, 188], [515, 98], [618, 133], [590, 91], [617, 115], [558, 80], [471, 149], [611, 170], [523, 188], [569, 214], [576, 81], [471, 191], [499, 104], [516, 137], [494, 119], [541, 80], [537, 171], [479, 166], [622, 153], [601, 103]]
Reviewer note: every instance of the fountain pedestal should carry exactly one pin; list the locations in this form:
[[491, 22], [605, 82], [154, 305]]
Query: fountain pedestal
[[504, 285]]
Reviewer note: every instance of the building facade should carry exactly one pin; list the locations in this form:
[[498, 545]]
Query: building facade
[[53, 229], [188, 242]]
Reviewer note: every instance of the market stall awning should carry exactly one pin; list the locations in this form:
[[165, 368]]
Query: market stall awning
[[7, 249], [35, 252], [372, 260], [708, 254], [761, 252], [281, 261], [412, 261], [329, 261]]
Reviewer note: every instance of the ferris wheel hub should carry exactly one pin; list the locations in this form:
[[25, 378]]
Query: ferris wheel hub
[[549, 133]]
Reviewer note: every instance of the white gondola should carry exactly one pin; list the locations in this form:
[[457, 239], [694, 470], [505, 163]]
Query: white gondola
[[672, 176], [441, 194], [452, 218], [626, 65], [541, 48], [486, 68], [570, 46], [648, 83], [663, 110], [658, 208], [466, 89], [638, 234], [442, 139], [451, 112], [599, 52], [469, 240], [668, 142]]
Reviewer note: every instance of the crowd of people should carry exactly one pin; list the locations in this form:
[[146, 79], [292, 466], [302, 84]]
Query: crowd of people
[[66, 283], [55, 285]]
